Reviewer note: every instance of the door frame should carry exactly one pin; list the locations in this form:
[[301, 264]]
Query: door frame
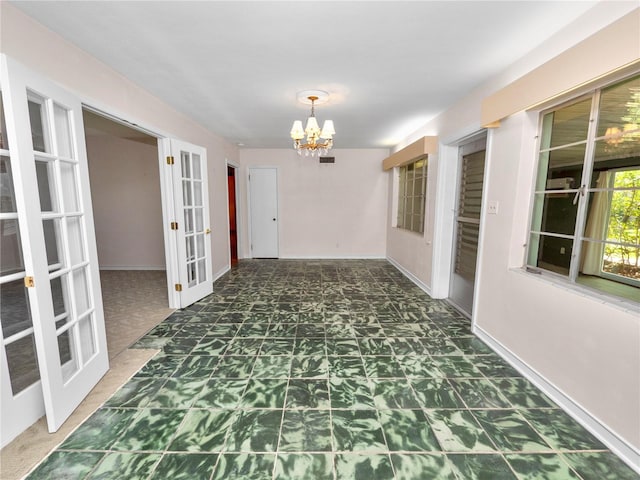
[[236, 180], [447, 185], [477, 143]]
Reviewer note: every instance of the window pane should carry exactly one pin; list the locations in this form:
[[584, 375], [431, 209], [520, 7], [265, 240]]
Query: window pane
[[555, 213], [566, 125], [550, 253], [561, 169], [620, 108]]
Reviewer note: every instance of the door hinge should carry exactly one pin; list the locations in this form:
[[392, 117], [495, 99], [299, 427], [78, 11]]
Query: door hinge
[[178, 287], [170, 160], [28, 282], [174, 225]]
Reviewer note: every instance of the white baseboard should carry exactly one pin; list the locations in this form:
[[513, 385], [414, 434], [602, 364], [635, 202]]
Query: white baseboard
[[628, 453], [423, 286], [133, 267]]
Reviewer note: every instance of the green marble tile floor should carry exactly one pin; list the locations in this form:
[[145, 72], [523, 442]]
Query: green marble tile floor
[[329, 369]]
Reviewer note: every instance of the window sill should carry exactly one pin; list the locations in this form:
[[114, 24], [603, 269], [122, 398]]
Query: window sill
[[558, 281]]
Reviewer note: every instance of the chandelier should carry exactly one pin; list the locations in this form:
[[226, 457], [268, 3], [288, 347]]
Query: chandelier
[[314, 144]]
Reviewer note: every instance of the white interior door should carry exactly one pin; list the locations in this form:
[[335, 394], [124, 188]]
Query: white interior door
[[51, 182], [21, 401], [263, 203], [188, 164], [467, 227]]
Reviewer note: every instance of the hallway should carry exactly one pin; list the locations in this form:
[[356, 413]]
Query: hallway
[[326, 369]]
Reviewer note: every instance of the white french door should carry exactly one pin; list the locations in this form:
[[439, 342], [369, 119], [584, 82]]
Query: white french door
[[263, 202], [191, 274], [53, 253]]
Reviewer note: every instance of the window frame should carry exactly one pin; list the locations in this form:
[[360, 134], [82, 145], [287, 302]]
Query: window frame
[[402, 197], [583, 191]]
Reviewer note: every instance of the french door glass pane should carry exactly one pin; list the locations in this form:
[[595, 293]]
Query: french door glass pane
[[66, 349], [58, 294], [186, 193], [4, 140], [81, 291], [200, 246], [202, 271], [22, 363], [197, 173], [197, 194], [69, 187], [16, 314], [63, 132], [52, 237], [10, 247], [191, 274], [76, 241], [7, 194], [39, 131], [188, 220], [190, 248], [199, 219], [87, 338], [46, 185], [186, 164]]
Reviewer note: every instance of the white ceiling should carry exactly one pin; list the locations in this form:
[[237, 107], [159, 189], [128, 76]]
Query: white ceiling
[[236, 66]]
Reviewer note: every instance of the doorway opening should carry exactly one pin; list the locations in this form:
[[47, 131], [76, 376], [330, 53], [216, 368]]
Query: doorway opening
[[127, 207]]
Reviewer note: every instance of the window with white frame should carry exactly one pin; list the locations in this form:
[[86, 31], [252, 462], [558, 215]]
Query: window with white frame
[[586, 210], [412, 189]]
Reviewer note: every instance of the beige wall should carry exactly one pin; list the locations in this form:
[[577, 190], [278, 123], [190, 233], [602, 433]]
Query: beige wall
[[326, 210], [101, 87], [584, 350], [127, 208]]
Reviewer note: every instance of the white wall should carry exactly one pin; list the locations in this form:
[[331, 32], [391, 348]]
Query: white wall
[[325, 210], [583, 350], [127, 209], [101, 87]]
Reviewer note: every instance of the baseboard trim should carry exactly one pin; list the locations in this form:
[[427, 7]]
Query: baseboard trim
[[136, 267], [627, 453], [221, 272], [423, 286]]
